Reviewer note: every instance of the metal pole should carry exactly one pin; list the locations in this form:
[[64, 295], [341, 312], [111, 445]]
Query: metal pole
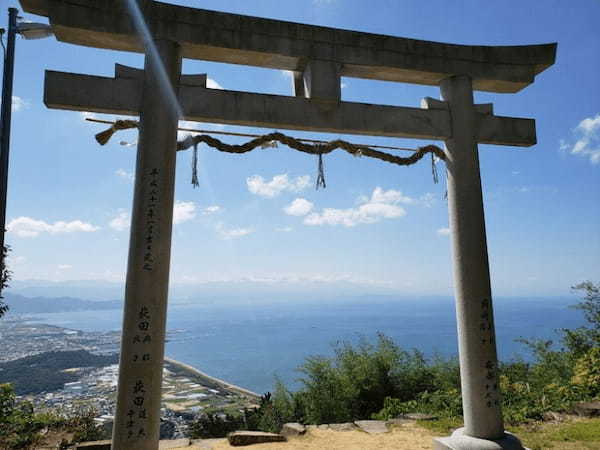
[[7, 87]]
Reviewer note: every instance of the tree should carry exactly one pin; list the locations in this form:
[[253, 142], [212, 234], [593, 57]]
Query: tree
[[583, 339], [5, 275]]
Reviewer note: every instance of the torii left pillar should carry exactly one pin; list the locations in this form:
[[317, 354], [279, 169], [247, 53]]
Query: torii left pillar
[[137, 418]]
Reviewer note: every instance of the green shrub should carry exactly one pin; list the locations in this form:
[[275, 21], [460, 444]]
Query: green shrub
[[5, 276], [441, 403], [383, 381], [356, 382], [213, 426], [393, 408], [586, 373], [19, 427]]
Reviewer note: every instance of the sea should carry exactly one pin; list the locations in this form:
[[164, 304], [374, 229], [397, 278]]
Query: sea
[[249, 344]]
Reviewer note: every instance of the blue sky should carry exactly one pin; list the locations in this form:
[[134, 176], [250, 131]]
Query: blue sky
[[258, 217]]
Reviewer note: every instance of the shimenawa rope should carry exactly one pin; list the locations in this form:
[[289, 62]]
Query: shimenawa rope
[[271, 139]]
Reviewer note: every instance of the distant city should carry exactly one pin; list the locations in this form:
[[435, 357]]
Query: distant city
[[186, 393]]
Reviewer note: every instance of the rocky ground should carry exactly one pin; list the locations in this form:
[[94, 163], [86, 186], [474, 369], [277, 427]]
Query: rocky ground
[[565, 433]]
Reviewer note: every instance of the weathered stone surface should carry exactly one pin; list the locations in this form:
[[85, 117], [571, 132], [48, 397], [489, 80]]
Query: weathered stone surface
[[482, 411], [122, 96], [460, 441], [239, 438], [176, 443], [419, 416], [162, 445], [148, 266], [94, 445], [293, 429], [372, 426], [275, 44], [323, 426], [398, 422], [206, 444], [348, 426], [587, 409]]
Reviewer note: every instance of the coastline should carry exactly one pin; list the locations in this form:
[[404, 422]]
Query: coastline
[[224, 384]]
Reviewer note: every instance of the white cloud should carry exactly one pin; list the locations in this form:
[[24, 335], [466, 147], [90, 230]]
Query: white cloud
[[212, 84], [427, 200], [280, 183], [181, 135], [443, 231], [64, 266], [587, 143], [299, 207], [284, 229], [209, 210], [87, 114], [392, 196], [183, 212], [122, 173], [28, 227], [381, 205], [19, 104], [233, 233], [121, 222]]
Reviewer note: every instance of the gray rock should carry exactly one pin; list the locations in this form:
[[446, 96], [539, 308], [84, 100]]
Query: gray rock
[[293, 429], [419, 416], [372, 426], [239, 438], [587, 409], [398, 422], [94, 445], [323, 426], [177, 443], [206, 444], [348, 426]]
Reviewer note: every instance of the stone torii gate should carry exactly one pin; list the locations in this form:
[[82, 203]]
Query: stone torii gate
[[318, 57]]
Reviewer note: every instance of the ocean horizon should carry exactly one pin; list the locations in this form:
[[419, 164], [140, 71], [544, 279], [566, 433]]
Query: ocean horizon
[[249, 344]]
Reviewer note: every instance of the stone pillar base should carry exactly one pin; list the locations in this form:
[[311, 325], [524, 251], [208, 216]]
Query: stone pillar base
[[460, 441]]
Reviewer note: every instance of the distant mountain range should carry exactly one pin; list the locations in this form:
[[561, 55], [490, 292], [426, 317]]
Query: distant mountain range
[[19, 304], [231, 291]]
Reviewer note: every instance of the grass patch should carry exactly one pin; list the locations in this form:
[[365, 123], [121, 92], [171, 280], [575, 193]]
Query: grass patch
[[442, 426], [580, 434], [578, 431], [576, 435]]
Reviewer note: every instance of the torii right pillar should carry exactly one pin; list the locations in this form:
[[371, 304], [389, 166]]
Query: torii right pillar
[[484, 428]]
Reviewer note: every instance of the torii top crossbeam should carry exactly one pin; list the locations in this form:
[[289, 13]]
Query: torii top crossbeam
[[276, 44]]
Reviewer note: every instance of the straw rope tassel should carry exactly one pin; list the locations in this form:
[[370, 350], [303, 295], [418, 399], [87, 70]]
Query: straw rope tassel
[[321, 174], [195, 182], [104, 136], [434, 172]]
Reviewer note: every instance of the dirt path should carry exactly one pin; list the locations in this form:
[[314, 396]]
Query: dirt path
[[406, 437]]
